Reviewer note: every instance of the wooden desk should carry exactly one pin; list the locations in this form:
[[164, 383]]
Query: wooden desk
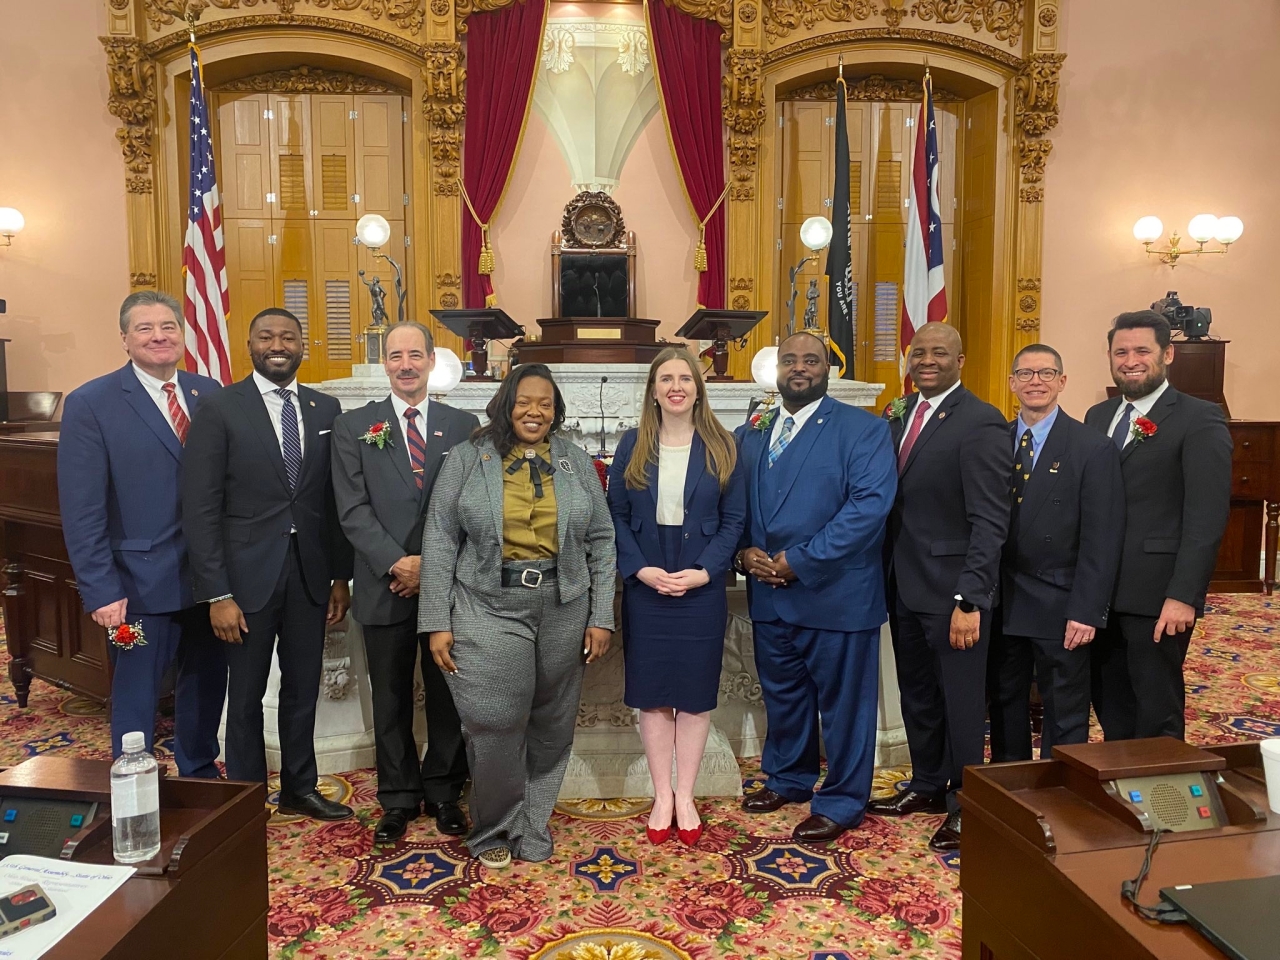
[[203, 897], [1045, 850], [46, 629], [1255, 510]]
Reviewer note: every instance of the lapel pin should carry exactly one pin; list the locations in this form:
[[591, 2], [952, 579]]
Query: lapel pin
[[195, 393], [486, 457], [942, 415], [819, 419], [566, 466], [312, 402], [438, 433], [1054, 467]]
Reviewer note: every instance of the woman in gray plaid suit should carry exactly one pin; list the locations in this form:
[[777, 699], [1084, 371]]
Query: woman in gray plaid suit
[[518, 576]]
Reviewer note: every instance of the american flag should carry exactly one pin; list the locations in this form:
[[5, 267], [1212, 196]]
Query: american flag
[[204, 262], [924, 288]]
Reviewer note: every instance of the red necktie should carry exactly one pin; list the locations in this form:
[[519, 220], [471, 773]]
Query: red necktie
[[917, 423], [417, 449], [176, 416]]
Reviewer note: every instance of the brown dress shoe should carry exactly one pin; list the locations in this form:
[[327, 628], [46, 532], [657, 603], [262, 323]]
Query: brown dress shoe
[[818, 829], [948, 836], [908, 801], [764, 801]]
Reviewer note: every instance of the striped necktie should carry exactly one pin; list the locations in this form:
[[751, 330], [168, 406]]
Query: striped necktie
[[290, 440], [417, 449], [781, 440], [176, 415]]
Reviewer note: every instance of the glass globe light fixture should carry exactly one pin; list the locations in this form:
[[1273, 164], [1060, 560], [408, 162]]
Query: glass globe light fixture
[[373, 230], [1229, 230], [1202, 227], [764, 368], [1148, 229], [815, 233], [11, 224], [447, 373]]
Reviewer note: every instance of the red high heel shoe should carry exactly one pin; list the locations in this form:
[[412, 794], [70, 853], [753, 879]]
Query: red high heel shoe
[[690, 837], [657, 836]]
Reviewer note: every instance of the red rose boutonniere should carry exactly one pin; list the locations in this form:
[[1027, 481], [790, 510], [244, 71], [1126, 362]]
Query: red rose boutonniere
[[127, 636], [896, 408], [1141, 429], [763, 420], [379, 433]]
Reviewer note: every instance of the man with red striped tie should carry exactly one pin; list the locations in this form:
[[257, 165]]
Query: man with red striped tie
[[385, 459], [120, 461]]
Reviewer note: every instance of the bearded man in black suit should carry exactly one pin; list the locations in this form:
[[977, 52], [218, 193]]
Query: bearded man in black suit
[[1175, 458]]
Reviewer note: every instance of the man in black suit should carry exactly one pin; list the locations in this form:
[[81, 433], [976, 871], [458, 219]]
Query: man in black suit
[[267, 553], [1175, 457], [1059, 565], [382, 491], [946, 531]]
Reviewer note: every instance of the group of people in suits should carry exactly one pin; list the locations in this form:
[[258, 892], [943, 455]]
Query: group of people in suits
[[228, 522]]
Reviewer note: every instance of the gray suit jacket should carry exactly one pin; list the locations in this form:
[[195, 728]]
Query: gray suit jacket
[[379, 505], [462, 540]]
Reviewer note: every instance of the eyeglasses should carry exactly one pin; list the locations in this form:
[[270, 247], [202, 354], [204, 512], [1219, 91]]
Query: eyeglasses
[[1047, 375]]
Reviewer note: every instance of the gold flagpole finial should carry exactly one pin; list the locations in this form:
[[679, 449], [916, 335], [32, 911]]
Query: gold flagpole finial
[[840, 65], [926, 66], [191, 17]]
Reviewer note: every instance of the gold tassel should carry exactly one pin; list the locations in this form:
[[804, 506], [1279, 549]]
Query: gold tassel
[[700, 253], [491, 300], [486, 255]]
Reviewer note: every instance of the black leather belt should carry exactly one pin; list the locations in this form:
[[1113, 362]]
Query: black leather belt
[[527, 576]]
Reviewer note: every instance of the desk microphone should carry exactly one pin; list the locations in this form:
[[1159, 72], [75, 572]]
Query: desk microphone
[[603, 381]]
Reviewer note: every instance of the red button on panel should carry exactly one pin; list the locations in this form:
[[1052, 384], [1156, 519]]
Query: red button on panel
[[1204, 813]]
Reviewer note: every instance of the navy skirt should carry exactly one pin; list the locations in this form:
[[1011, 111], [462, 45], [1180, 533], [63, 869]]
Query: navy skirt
[[673, 646]]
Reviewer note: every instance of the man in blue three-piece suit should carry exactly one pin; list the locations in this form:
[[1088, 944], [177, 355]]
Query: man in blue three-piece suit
[[119, 468], [820, 483]]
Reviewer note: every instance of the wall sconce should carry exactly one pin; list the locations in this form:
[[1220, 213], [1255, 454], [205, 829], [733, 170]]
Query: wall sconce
[[11, 224], [1201, 229]]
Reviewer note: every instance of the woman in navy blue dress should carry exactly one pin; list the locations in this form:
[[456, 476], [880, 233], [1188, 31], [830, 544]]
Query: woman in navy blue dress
[[679, 505]]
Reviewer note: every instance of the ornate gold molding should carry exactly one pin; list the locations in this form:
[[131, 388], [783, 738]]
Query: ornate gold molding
[[874, 87], [721, 11], [1000, 18], [781, 17], [133, 101], [866, 34], [1031, 194], [744, 111], [464, 8], [179, 37], [1033, 153], [405, 14], [137, 280], [1028, 318], [444, 107], [1036, 93], [311, 80]]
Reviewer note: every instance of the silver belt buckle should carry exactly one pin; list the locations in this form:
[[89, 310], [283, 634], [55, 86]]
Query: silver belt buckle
[[524, 577]]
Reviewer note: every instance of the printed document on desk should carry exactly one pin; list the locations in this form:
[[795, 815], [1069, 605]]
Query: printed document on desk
[[76, 889]]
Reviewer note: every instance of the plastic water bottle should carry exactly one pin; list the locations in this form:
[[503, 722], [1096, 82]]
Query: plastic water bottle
[[135, 802]]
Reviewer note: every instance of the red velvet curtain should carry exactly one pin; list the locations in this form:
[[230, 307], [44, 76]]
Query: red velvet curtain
[[686, 54], [502, 55]]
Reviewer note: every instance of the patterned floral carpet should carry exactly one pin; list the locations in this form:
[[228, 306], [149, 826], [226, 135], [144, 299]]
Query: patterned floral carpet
[[747, 891]]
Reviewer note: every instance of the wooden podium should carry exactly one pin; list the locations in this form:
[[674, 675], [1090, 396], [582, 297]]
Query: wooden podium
[[593, 340], [1047, 844], [203, 897]]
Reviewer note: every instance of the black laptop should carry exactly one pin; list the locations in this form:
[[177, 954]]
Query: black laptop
[[1239, 917]]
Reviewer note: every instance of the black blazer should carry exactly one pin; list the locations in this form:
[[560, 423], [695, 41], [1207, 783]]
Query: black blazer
[[380, 506], [236, 505], [1177, 486], [951, 513], [1063, 551]]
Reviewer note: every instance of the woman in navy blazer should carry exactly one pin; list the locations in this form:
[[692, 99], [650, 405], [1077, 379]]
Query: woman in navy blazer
[[678, 501]]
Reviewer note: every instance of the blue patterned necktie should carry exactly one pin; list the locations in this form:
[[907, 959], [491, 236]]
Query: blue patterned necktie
[[781, 440], [1121, 433], [290, 442]]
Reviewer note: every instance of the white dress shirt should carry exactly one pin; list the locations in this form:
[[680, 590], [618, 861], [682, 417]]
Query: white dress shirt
[[1141, 408], [275, 406], [399, 406], [673, 464], [155, 388], [934, 404], [801, 417]]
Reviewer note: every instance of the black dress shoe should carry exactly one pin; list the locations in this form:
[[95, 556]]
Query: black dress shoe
[[948, 836], [449, 817], [393, 824], [818, 828], [908, 801], [315, 806], [764, 801]]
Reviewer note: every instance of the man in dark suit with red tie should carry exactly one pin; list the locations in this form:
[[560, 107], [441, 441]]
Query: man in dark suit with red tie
[[120, 464], [382, 492], [268, 555], [1059, 566], [1175, 458], [946, 532]]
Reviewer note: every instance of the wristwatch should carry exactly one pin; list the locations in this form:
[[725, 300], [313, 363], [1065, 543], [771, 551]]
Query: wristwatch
[[737, 563], [964, 606]]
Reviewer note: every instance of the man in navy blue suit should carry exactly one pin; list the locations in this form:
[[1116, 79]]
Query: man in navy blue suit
[[821, 477], [119, 473]]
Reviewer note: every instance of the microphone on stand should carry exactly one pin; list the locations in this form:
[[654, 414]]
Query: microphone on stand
[[603, 381]]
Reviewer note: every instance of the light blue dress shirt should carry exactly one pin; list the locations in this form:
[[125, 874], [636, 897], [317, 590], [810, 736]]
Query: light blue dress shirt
[[1039, 433]]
